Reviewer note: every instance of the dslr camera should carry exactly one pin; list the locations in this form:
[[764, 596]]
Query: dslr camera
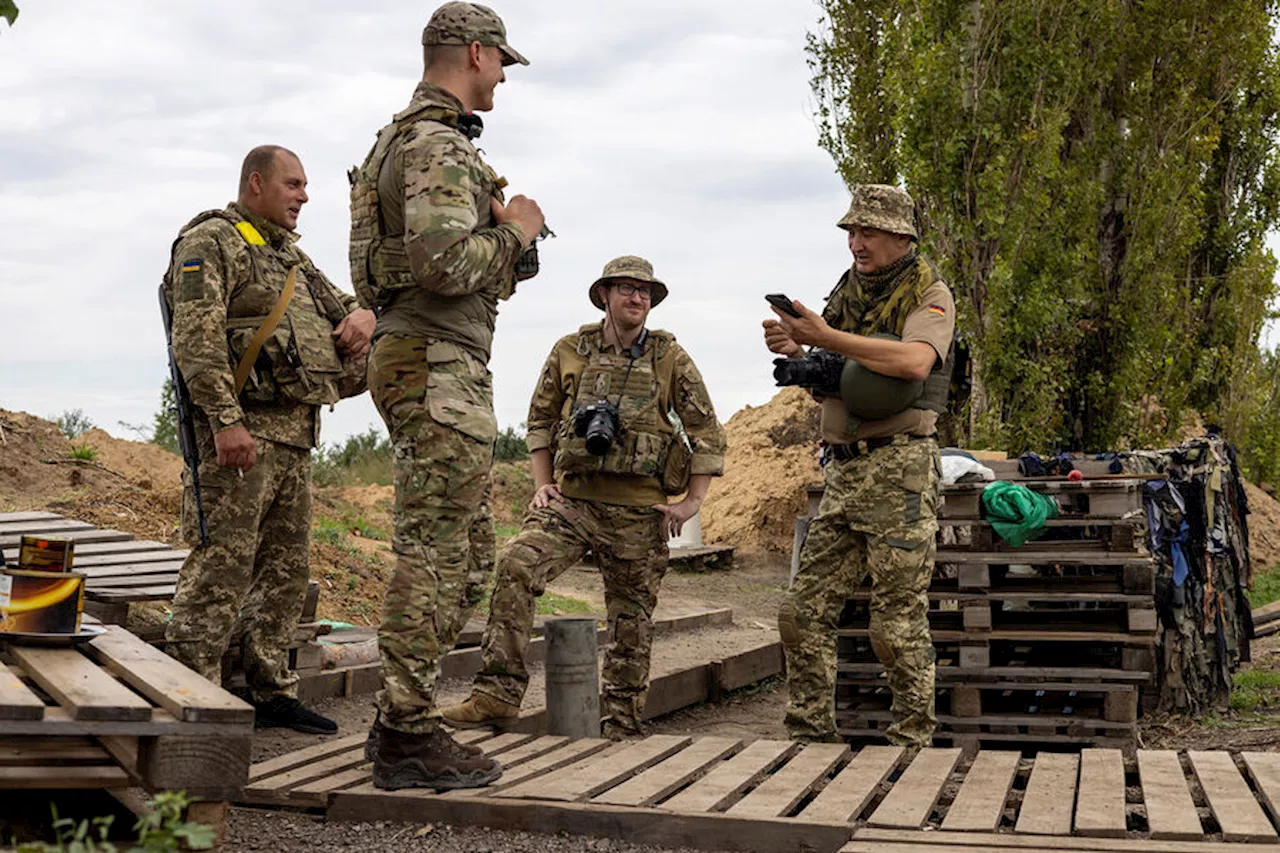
[[819, 370], [598, 423]]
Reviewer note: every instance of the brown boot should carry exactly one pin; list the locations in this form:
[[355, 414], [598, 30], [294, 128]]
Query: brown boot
[[375, 731], [434, 760], [481, 710]]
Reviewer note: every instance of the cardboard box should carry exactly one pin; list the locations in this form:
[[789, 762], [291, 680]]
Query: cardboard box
[[46, 554], [41, 602]]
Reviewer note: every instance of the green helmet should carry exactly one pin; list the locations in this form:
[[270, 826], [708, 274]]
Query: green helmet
[[873, 396]]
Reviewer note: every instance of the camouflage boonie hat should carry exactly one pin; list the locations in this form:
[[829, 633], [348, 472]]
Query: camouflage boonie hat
[[463, 23], [632, 267], [881, 206]]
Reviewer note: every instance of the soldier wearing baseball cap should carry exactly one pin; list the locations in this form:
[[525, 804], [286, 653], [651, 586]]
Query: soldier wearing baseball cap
[[620, 422], [435, 246], [893, 319]]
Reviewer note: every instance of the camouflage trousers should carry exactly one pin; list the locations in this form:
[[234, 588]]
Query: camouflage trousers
[[254, 568], [632, 555], [878, 515], [438, 405]]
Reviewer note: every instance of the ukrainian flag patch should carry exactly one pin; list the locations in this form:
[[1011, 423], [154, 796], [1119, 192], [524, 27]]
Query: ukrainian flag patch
[[191, 282], [192, 265], [939, 310]]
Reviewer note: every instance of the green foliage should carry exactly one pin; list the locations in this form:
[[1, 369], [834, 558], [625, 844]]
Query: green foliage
[[73, 423], [1254, 689], [1266, 588], [1096, 180], [164, 423], [550, 604], [85, 451], [363, 459], [510, 445], [162, 830], [9, 11], [328, 530]]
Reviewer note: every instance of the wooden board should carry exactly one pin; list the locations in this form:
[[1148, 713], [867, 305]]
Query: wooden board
[[12, 540], [158, 567], [845, 796], [78, 685], [901, 841], [27, 515], [17, 702], [718, 787], [780, 793], [600, 775], [532, 749], [1230, 799], [128, 583], [1171, 813], [301, 757], [1100, 807], [51, 528], [916, 792], [979, 804], [129, 561], [572, 755], [663, 779], [180, 691], [504, 742], [91, 776], [278, 788], [1264, 769], [1050, 797]]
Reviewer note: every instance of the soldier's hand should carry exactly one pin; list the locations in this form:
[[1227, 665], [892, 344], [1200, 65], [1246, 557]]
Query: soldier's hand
[[354, 332], [545, 496], [523, 211], [676, 514], [777, 340], [235, 448], [809, 329]]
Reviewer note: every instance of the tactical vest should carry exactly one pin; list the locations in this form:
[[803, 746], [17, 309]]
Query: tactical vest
[[298, 362], [643, 397], [905, 299], [380, 271]]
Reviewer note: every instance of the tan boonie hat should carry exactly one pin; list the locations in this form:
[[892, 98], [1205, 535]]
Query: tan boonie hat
[[634, 268], [881, 206], [463, 23]]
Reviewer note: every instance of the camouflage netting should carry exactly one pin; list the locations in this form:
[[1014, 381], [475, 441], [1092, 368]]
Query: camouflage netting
[[1199, 537]]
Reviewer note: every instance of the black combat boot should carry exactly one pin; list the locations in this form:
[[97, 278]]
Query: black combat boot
[[288, 713], [434, 760]]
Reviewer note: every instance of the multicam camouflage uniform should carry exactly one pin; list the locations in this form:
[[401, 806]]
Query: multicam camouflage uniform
[[607, 505], [434, 264], [879, 510], [228, 269]]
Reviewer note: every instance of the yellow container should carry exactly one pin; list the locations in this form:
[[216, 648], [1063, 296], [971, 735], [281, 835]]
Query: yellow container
[[41, 602]]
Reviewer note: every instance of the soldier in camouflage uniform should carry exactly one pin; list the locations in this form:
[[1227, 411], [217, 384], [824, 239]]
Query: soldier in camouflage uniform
[[433, 251], [878, 512], [609, 497], [228, 270]]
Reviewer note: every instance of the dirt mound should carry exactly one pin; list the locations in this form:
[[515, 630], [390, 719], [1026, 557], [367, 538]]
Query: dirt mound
[[772, 457], [1264, 528], [143, 463]]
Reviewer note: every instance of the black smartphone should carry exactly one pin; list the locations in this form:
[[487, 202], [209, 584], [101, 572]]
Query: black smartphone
[[782, 303]]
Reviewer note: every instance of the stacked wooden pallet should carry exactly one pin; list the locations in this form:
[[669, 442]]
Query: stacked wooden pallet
[[1051, 642]]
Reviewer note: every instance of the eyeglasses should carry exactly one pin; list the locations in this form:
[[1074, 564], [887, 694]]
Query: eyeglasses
[[626, 288]]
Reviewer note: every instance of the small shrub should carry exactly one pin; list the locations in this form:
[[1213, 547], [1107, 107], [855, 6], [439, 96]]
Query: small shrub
[[510, 445], [73, 423], [1266, 587], [84, 451], [328, 530], [363, 459]]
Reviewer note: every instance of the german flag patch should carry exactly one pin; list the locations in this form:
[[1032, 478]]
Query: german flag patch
[[938, 309]]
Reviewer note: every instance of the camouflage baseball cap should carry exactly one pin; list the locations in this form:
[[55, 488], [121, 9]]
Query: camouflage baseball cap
[[634, 268], [463, 23], [881, 206]]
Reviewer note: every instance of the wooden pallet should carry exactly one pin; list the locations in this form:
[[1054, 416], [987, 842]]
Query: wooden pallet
[[725, 794], [1086, 499]]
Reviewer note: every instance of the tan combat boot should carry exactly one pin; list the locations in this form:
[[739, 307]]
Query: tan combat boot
[[481, 710]]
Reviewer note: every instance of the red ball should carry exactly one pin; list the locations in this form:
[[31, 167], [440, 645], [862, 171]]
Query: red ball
[[1075, 476]]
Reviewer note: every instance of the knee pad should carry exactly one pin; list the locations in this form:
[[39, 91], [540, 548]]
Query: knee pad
[[789, 624]]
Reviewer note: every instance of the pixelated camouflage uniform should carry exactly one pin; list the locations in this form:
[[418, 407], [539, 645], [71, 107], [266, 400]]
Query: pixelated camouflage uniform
[[437, 266], [878, 512], [607, 510], [220, 286]]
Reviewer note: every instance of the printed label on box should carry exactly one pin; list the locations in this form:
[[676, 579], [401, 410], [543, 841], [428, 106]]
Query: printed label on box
[[6, 589]]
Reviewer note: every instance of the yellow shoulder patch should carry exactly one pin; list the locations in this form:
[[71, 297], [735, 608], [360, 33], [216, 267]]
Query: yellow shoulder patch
[[250, 234]]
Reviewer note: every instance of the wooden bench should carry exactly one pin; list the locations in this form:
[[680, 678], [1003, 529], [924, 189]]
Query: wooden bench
[[116, 712]]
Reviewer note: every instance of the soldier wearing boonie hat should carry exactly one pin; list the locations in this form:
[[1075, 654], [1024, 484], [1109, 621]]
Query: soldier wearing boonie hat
[[620, 420], [435, 246], [892, 316]]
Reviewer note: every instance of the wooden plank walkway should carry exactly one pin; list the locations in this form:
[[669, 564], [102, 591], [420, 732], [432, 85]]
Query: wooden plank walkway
[[721, 793]]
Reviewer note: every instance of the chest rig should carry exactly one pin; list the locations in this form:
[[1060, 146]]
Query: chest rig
[[639, 383]]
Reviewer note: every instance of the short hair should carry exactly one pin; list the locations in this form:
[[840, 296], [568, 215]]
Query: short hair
[[438, 57], [262, 160]]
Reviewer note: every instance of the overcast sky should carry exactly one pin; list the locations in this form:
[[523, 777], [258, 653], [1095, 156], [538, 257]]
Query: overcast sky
[[678, 130]]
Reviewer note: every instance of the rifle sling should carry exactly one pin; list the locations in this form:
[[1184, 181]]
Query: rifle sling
[[264, 331]]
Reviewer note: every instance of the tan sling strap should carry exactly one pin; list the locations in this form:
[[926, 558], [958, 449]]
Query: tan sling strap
[[264, 331]]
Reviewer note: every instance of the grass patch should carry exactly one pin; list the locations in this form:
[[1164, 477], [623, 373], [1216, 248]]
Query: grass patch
[[1255, 689], [84, 451], [550, 604], [505, 531], [328, 530], [1266, 587]]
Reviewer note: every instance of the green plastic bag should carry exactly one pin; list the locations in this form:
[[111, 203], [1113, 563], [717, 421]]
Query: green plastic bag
[[1016, 513]]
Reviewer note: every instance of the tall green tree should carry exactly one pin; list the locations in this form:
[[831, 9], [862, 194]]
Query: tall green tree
[[1096, 178]]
